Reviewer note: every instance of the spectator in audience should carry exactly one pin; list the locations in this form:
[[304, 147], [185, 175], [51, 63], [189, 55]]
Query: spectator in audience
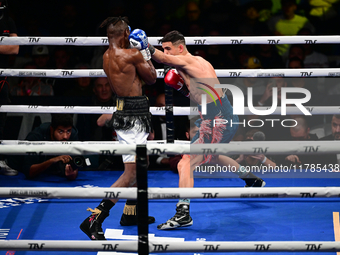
[[244, 83], [214, 53], [257, 160], [32, 86], [335, 135], [307, 83], [59, 129], [313, 59], [268, 55], [304, 82], [82, 86], [62, 60], [288, 24], [40, 56], [266, 100], [295, 62], [69, 22], [301, 132], [192, 15], [296, 51], [88, 129], [149, 18], [249, 23]]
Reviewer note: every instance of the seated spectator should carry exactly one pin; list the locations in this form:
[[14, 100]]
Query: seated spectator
[[88, 129], [296, 51], [40, 56], [62, 59], [288, 24], [245, 82], [32, 86], [335, 135], [268, 55], [278, 132], [304, 82], [275, 82], [60, 129], [82, 86], [257, 160], [295, 62], [301, 133], [313, 59]]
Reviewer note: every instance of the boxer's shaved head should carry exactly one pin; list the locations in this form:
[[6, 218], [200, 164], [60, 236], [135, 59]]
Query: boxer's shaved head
[[174, 37]]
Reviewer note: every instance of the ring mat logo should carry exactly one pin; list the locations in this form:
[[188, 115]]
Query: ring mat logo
[[5, 203]]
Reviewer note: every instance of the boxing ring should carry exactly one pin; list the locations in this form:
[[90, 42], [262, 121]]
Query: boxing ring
[[252, 201]]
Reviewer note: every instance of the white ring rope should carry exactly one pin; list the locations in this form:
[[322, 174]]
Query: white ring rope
[[172, 193], [222, 73], [177, 110], [171, 246], [233, 148], [190, 40], [184, 111], [17, 142]]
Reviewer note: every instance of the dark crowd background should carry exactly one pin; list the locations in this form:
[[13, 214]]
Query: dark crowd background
[[156, 18]]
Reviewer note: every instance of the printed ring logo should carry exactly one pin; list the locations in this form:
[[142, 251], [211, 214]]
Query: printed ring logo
[[204, 98]]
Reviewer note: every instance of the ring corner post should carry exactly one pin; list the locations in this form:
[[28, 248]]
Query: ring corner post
[[142, 199]]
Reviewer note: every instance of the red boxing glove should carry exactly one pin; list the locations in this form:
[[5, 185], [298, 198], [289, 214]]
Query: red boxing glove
[[174, 80]]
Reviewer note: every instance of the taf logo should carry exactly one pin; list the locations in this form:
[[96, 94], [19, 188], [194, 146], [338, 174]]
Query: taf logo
[[160, 247], [313, 247], [236, 41], [70, 40], [34, 246], [273, 41], [210, 247], [33, 39], [262, 247], [200, 41], [209, 195], [307, 194], [311, 149], [110, 247], [67, 73], [110, 194], [234, 74]]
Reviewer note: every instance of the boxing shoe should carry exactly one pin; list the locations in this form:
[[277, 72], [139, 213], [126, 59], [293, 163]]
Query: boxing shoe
[[132, 220], [92, 225], [6, 170], [253, 181], [180, 219]]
